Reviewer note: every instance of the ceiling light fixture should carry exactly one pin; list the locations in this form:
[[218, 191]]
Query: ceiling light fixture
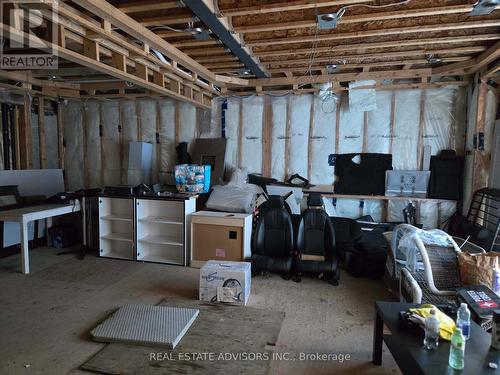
[[434, 59], [327, 21], [331, 68], [484, 7]]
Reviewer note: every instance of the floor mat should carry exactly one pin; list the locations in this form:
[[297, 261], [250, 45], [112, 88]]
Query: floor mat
[[146, 325], [224, 338]]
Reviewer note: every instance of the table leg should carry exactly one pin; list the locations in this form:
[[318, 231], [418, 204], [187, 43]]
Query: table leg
[[48, 224], [25, 260], [378, 332]]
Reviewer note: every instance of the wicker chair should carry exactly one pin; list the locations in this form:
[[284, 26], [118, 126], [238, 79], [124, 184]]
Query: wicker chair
[[440, 277]]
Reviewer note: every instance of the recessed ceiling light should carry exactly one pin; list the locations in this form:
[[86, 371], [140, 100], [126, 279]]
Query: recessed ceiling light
[[434, 59], [484, 7], [331, 68], [327, 21]]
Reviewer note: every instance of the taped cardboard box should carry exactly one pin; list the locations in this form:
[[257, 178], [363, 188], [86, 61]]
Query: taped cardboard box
[[228, 282]]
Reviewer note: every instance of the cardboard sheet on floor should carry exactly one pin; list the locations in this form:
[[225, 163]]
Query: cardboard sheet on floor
[[146, 325], [219, 329]]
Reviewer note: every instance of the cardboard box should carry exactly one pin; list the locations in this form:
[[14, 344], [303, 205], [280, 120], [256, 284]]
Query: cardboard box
[[217, 242], [220, 236], [225, 282]]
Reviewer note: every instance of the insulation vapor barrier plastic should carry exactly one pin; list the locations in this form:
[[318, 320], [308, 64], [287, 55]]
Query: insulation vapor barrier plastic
[[303, 135], [98, 133]]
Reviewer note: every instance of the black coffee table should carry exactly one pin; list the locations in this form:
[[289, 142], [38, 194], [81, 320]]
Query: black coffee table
[[407, 347]]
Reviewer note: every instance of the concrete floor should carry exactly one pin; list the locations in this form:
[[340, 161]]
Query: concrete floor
[[45, 317]]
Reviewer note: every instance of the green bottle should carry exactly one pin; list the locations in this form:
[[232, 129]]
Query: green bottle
[[457, 350]]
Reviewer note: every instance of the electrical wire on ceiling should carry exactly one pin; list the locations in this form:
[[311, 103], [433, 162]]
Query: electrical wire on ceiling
[[340, 13]]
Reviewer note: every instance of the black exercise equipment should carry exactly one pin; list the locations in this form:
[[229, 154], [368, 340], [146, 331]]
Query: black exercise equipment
[[273, 240], [316, 243]]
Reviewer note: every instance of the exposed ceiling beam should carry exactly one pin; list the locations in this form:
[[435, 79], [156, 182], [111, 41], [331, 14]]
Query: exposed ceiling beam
[[371, 33], [475, 64], [369, 65], [286, 6], [179, 19], [99, 66], [368, 17], [148, 6], [119, 19], [386, 44], [395, 54], [304, 80], [206, 14]]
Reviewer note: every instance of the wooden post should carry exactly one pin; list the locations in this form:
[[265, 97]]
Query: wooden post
[[101, 143], [240, 134], [365, 132], [391, 124], [310, 139], [60, 135], [41, 132], [267, 132], [337, 124], [481, 157], [288, 133], [177, 123], [421, 130], [16, 137], [158, 140], [138, 115], [120, 143]]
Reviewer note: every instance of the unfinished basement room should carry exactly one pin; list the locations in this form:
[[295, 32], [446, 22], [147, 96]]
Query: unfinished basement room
[[250, 187]]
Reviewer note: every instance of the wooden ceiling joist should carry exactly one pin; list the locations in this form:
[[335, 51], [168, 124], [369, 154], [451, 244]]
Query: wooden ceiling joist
[[369, 65], [360, 18], [119, 19], [148, 6], [97, 65], [473, 65], [387, 44], [373, 33], [339, 58]]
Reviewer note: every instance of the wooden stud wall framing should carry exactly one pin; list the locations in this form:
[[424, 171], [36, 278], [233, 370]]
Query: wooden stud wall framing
[[267, 134], [310, 139], [41, 133], [60, 136], [240, 134]]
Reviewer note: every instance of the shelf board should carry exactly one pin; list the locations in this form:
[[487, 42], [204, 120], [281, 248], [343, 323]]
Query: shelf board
[[161, 240], [161, 220], [116, 255], [158, 259], [116, 218], [117, 237]]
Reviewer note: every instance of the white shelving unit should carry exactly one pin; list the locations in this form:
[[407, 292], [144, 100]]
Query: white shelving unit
[[116, 228], [161, 230]]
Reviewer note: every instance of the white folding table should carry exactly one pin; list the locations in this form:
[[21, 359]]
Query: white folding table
[[25, 215]]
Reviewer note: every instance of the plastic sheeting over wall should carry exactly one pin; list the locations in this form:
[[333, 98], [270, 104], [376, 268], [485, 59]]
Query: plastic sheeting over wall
[[303, 135], [98, 133]]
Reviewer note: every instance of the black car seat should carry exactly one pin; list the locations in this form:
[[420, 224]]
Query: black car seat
[[316, 242], [272, 243]]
